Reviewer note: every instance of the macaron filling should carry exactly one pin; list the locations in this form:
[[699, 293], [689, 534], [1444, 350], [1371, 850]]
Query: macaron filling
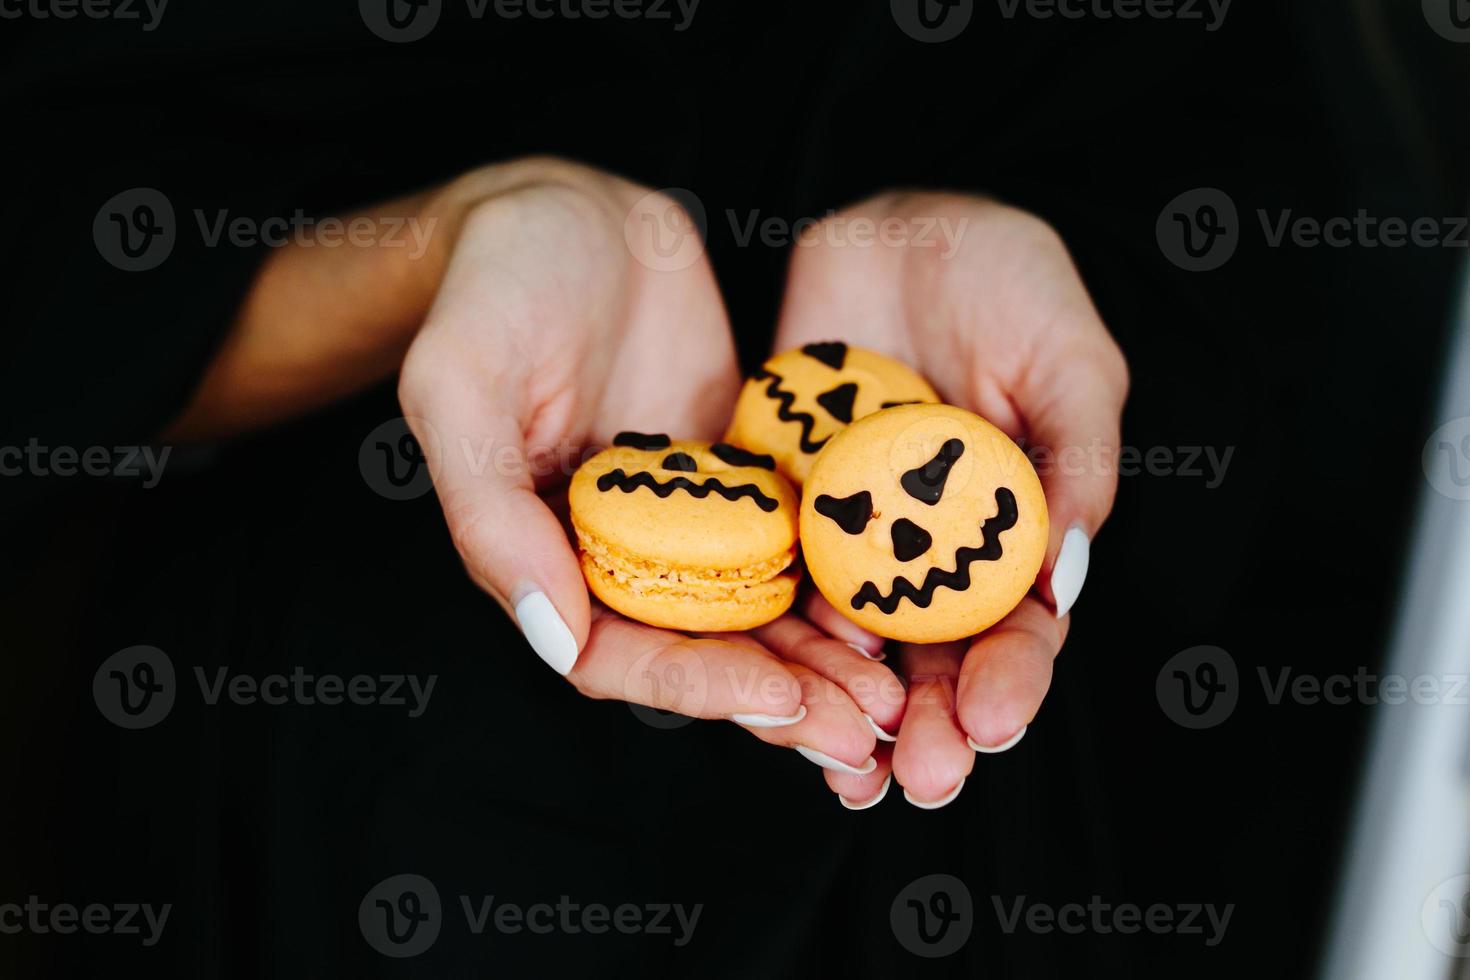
[[653, 578]]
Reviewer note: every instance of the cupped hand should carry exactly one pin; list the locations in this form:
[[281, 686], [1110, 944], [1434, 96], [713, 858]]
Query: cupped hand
[[983, 300], [557, 324]]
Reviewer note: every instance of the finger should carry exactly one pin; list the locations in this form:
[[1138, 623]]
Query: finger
[[816, 608], [931, 758], [832, 734], [861, 792], [701, 678], [513, 546], [872, 687], [1072, 399], [1006, 674]]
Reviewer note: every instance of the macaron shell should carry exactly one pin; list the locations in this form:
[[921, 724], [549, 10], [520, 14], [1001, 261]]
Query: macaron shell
[[807, 386], [961, 597], [680, 528], [757, 604]]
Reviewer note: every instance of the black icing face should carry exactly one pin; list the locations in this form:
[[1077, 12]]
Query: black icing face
[[820, 388], [658, 467], [909, 539]]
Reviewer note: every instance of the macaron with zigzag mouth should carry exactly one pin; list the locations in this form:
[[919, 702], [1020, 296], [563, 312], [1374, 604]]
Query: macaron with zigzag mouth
[[923, 523], [686, 535], [800, 398]]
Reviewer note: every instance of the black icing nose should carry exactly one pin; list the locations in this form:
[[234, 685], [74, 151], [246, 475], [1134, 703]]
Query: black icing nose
[[909, 540]]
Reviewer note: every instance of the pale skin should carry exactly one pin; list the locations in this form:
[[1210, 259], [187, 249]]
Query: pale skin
[[529, 332]]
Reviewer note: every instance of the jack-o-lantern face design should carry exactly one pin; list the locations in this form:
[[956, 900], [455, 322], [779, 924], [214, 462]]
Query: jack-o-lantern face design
[[923, 524], [721, 458], [686, 535], [799, 399]]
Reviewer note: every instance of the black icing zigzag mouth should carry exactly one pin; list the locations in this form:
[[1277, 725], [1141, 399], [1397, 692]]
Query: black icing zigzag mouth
[[937, 578], [785, 399], [622, 481]]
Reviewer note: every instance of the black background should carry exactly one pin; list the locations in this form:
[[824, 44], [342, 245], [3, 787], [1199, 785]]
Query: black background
[[264, 827]]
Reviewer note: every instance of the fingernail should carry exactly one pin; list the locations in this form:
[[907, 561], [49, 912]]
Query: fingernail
[[769, 721], [992, 749], [1070, 571], [877, 797], [945, 800], [878, 731], [837, 765], [880, 655], [546, 632]]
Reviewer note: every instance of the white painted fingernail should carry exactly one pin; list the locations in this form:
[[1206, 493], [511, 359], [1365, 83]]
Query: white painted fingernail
[[945, 800], [992, 749], [769, 721], [878, 731], [546, 632], [880, 655], [1070, 571], [836, 765], [877, 797]]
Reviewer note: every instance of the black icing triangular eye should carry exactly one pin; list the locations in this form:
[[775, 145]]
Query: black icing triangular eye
[[638, 440], [838, 401], [909, 540], [849, 513], [681, 462], [735, 456], [912, 401], [832, 353], [926, 483]]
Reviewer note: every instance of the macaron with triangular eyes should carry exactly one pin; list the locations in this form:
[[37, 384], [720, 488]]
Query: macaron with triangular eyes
[[923, 523], [686, 535], [799, 399]]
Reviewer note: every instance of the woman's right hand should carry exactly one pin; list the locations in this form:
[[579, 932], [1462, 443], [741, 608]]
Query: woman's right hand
[[556, 325]]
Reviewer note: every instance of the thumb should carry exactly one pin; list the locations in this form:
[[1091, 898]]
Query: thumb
[[512, 545], [1073, 404]]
